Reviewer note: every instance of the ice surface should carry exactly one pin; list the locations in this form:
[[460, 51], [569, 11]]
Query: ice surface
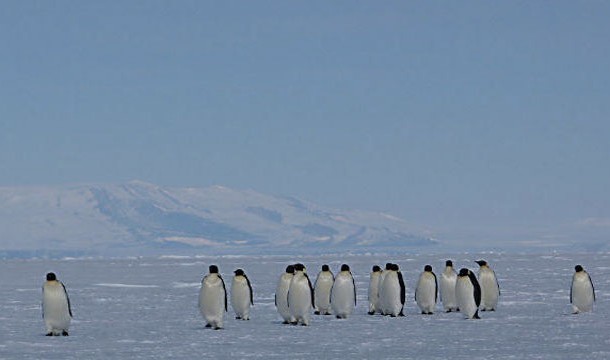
[[147, 309]]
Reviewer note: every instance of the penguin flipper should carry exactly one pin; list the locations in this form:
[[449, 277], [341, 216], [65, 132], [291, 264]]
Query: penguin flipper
[[225, 291], [403, 291], [250, 287], [313, 305], [68, 299]]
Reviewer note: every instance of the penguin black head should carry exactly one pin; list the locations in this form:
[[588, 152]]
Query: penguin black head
[[578, 268], [213, 269], [325, 267], [464, 272], [394, 267], [290, 269], [299, 267], [448, 263], [51, 277], [481, 262], [344, 267], [239, 272], [428, 268], [376, 268], [388, 266]]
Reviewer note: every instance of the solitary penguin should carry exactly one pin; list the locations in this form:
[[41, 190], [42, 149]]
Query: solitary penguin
[[448, 280], [394, 292], [300, 296], [281, 294], [343, 294], [213, 299], [468, 294], [323, 285], [373, 294], [241, 295], [56, 309], [490, 290], [426, 291], [582, 292]]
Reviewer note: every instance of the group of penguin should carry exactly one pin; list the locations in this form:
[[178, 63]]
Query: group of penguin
[[295, 297]]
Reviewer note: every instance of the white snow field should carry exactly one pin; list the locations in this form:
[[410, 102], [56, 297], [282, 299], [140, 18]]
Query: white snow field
[[146, 308]]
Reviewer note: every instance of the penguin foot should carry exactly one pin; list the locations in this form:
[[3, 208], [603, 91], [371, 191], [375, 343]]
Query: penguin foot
[[327, 313], [238, 318], [217, 328], [316, 312], [49, 334], [294, 323], [392, 315], [448, 311], [476, 315], [285, 322], [371, 313], [64, 333], [208, 325]]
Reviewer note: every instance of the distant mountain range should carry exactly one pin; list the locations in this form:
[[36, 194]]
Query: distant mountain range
[[139, 218]]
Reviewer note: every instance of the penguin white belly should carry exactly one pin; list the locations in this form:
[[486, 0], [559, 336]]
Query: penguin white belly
[[322, 289], [55, 309], [381, 296], [426, 293], [391, 294], [447, 285], [299, 299], [281, 297], [373, 293], [464, 293], [240, 298], [212, 301], [582, 293], [489, 290], [342, 296]]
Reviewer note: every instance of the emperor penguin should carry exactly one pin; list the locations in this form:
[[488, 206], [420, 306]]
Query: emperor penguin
[[426, 291], [213, 299], [323, 285], [300, 296], [373, 294], [468, 294], [241, 295], [490, 290], [582, 292], [56, 309], [394, 292], [448, 280], [281, 294], [343, 294]]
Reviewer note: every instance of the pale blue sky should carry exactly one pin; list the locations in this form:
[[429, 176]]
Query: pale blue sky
[[478, 120]]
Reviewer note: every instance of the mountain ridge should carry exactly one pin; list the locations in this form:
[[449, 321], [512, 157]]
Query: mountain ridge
[[143, 218]]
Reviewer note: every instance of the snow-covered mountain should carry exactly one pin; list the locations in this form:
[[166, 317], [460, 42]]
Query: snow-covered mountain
[[142, 218]]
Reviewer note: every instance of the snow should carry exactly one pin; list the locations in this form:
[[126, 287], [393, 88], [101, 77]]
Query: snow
[[146, 308]]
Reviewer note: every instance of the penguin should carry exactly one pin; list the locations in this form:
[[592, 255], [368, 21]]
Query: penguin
[[468, 294], [343, 293], [582, 291], [241, 295], [56, 309], [426, 291], [322, 286], [490, 290], [300, 296], [213, 299], [281, 294], [447, 287], [373, 294], [394, 292], [382, 301]]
